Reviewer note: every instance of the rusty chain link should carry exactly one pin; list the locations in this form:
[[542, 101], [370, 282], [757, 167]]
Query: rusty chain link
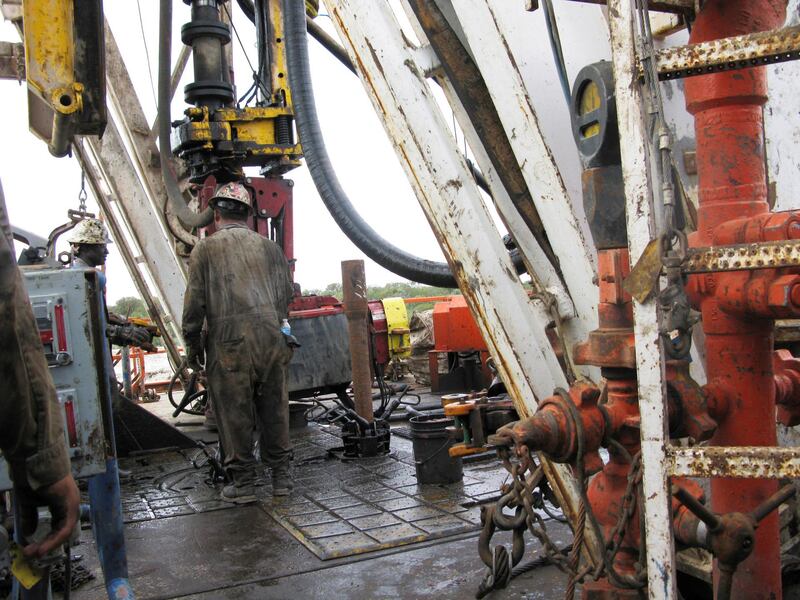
[[526, 475], [629, 502]]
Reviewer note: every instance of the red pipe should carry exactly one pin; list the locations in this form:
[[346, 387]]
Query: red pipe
[[733, 185]]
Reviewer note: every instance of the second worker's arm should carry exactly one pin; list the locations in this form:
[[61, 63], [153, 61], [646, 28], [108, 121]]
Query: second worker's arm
[[194, 309]]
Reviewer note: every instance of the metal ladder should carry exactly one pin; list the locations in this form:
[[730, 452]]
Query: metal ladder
[[662, 460]]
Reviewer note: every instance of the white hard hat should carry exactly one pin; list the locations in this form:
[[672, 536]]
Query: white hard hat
[[89, 231], [230, 196]]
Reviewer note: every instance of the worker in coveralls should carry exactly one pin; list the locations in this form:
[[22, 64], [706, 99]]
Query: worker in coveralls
[[31, 425], [240, 285], [89, 241]]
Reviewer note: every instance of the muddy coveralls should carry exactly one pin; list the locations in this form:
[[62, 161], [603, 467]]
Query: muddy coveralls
[[240, 284], [31, 425]]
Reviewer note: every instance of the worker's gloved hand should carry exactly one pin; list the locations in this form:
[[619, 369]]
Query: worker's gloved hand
[[128, 335], [63, 500], [195, 359]]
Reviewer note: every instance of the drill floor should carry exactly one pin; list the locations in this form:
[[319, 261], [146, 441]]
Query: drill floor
[[338, 508]]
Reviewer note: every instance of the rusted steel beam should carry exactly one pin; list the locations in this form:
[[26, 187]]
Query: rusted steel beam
[[751, 462], [354, 290], [725, 54]]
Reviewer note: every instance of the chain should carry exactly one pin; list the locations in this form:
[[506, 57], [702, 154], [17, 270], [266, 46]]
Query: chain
[[523, 496], [526, 475], [79, 575], [82, 195], [629, 502], [677, 317]]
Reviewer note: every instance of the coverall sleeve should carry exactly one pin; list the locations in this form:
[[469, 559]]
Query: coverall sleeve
[[31, 422], [282, 286], [194, 302], [289, 284]]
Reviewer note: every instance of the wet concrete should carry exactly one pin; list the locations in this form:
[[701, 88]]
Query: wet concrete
[[446, 570], [242, 553]]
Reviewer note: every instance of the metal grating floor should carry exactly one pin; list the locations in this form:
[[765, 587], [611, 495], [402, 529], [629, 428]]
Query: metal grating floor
[[338, 508]]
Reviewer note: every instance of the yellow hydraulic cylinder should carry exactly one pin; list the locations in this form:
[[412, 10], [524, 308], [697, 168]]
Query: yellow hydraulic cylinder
[[49, 64]]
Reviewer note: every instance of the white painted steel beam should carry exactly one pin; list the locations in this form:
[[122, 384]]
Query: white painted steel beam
[[141, 147], [492, 53], [513, 326], [659, 543], [106, 196], [537, 263], [115, 169]]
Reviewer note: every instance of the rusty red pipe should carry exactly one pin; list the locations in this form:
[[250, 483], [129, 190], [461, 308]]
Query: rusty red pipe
[[733, 190]]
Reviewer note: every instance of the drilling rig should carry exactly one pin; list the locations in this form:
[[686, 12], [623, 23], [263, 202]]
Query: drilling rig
[[643, 365]]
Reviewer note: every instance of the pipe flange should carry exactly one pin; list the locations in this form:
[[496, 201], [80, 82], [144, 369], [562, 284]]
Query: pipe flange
[[204, 90], [205, 28]]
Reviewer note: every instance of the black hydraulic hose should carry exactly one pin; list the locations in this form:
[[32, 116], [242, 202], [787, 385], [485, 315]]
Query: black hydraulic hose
[[322, 172], [332, 46], [318, 33], [336, 201], [187, 217], [248, 8]]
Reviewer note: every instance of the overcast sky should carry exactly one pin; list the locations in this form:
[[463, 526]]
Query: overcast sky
[[40, 189]]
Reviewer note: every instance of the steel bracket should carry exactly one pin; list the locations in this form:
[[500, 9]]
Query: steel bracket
[[742, 257], [738, 52], [754, 462]]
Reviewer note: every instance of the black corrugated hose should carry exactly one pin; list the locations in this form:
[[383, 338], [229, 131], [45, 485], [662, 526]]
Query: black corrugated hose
[[322, 172], [336, 201]]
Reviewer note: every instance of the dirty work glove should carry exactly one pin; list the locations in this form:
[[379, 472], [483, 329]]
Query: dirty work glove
[[128, 335], [195, 359]]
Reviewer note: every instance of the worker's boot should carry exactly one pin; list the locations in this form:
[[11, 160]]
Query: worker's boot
[[282, 483], [238, 494]]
